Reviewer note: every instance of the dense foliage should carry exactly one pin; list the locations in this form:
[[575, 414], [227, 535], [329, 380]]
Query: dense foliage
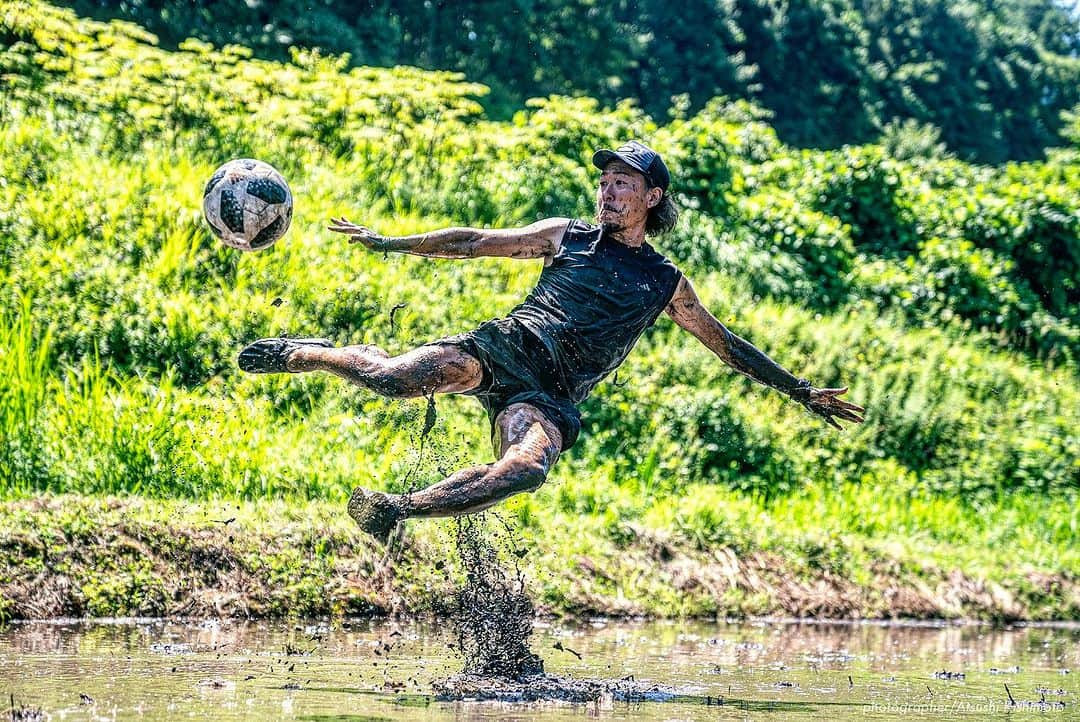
[[945, 294], [993, 76]]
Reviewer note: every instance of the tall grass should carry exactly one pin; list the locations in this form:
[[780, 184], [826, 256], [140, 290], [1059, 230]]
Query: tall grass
[[25, 378]]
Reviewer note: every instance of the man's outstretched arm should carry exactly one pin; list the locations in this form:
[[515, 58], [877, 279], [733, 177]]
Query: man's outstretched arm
[[686, 310], [538, 240]]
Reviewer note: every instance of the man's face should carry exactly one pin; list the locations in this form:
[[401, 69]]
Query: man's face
[[623, 198]]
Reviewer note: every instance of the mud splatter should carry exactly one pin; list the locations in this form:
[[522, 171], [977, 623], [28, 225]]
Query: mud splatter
[[393, 311], [550, 688], [492, 613], [431, 416], [493, 617]]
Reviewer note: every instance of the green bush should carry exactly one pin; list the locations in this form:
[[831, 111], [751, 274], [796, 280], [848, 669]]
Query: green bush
[[705, 152], [723, 445], [862, 187], [779, 224], [1037, 226]]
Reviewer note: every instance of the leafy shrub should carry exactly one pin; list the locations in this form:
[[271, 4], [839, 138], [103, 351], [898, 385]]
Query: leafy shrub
[[721, 445], [779, 224], [861, 187], [911, 140], [1032, 224], [706, 151]]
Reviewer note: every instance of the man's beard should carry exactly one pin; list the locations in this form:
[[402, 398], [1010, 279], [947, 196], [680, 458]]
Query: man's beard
[[610, 226]]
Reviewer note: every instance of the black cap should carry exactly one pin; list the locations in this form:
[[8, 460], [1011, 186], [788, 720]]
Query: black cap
[[640, 157]]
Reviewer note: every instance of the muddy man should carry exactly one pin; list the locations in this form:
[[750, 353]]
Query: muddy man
[[601, 286]]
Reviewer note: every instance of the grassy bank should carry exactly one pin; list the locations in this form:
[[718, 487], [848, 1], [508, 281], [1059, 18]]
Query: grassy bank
[[101, 556], [945, 294]]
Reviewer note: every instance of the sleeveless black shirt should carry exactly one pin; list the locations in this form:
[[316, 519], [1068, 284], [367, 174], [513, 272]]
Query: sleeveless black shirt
[[593, 302]]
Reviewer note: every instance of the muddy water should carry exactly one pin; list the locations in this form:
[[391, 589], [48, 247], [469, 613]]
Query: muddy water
[[150, 670]]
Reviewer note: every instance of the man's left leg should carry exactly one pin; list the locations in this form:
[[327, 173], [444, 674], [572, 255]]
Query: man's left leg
[[528, 446]]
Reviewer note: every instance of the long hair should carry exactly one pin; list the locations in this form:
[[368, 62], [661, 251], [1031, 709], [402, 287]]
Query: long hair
[[662, 217]]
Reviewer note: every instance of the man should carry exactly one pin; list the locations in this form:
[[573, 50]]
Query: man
[[600, 288]]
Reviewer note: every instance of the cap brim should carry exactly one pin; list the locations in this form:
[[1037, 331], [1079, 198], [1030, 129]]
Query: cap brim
[[602, 157]]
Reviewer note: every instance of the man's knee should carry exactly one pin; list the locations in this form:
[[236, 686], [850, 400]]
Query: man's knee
[[530, 446], [523, 474], [525, 430]]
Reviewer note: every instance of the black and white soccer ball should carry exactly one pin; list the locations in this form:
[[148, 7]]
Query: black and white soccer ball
[[248, 204]]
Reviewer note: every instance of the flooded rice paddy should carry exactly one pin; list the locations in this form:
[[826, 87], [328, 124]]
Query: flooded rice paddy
[[376, 670]]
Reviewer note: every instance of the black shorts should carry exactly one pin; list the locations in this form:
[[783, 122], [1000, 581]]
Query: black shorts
[[517, 369]]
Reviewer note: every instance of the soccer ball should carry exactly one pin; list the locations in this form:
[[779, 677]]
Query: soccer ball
[[248, 204]]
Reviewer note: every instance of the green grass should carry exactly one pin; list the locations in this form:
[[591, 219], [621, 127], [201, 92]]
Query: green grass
[[120, 318]]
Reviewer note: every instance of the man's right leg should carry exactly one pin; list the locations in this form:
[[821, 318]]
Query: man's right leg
[[438, 368], [528, 445]]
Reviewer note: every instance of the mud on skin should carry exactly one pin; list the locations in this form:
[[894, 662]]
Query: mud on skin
[[420, 372]]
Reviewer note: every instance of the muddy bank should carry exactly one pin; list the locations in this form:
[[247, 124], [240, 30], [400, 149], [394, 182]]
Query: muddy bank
[[85, 556]]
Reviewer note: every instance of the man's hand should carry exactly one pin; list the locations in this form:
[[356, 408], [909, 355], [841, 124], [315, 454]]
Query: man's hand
[[686, 310], [824, 403], [360, 234]]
